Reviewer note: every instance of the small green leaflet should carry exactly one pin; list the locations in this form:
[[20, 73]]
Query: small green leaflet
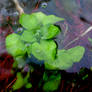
[[44, 50], [52, 85], [14, 45], [66, 58], [28, 85], [19, 82]]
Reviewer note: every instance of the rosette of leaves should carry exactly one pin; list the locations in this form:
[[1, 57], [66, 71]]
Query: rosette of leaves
[[36, 39]]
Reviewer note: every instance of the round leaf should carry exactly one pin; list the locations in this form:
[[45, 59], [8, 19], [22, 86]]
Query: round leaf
[[14, 45], [44, 50]]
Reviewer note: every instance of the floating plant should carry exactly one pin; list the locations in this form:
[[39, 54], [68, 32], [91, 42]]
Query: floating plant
[[37, 40]]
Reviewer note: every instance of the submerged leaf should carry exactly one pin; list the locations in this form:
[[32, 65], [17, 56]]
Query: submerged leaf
[[44, 50], [14, 45], [53, 84], [28, 85], [66, 58]]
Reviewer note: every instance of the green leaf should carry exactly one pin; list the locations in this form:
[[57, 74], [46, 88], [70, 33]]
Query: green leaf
[[29, 50], [66, 58], [52, 85], [47, 19], [28, 21], [40, 16], [76, 53], [51, 19], [49, 32], [14, 45], [44, 50], [28, 36], [19, 82], [28, 85]]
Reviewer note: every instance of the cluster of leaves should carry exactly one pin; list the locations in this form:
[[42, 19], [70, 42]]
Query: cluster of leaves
[[36, 40], [51, 82]]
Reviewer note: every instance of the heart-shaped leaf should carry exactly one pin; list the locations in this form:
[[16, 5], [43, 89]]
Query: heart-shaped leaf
[[44, 50]]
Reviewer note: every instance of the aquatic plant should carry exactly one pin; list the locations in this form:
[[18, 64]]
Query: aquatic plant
[[37, 39]]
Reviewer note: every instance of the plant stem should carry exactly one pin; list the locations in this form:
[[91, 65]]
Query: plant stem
[[18, 7]]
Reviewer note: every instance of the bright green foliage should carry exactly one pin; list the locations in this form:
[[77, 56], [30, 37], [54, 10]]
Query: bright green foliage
[[66, 58], [52, 84], [46, 19], [44, 50], [49, 32], [32, 21], [28, 21], [28, 36], [20, 82], [39, 26], [37, 40], [29, 50], [14, 45], [51, 19]]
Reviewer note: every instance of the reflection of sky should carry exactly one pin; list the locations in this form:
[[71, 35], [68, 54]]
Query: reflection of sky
[[72, 10]]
